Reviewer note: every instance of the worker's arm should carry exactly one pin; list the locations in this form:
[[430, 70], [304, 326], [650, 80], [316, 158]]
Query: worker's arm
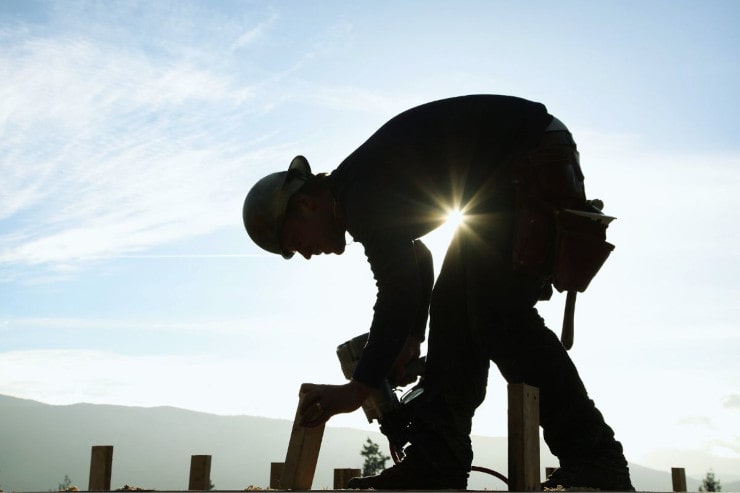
[[405, 280], [398, 307], [321, 402]]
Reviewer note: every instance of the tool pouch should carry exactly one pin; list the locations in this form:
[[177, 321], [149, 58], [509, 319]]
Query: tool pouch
[[580, 248], [554, 237]]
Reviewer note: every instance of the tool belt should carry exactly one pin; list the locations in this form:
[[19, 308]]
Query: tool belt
[[559, 235]]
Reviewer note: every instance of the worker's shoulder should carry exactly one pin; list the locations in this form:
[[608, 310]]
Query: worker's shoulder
[[477, 99], [473, 107]]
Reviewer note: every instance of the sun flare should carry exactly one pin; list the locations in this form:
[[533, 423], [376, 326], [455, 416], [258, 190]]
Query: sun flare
[[454, 219], [439, 240]]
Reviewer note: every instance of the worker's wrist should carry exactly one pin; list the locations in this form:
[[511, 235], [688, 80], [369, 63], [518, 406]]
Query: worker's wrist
[[360, 390]]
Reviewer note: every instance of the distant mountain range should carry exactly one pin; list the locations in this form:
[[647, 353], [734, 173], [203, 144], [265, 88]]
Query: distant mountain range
[[40, 444]]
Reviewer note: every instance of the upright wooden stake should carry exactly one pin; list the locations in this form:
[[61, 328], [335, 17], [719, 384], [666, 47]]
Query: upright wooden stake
[[303, 453], [276, 470], [678, 475], [101, 466], [200, 473], [342, 477], [524, 437]]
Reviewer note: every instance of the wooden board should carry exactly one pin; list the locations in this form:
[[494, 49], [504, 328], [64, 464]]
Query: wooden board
[[276, 470], [303, 453], [200, 473], [678, 476], [342, 477], [101, 467], [524, 437]]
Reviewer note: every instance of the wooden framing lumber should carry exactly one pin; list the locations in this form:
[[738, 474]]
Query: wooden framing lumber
[[303, 453], [200, 473], [678, 476], [101, 466], [524, 437], [276, 470], [342, 477]]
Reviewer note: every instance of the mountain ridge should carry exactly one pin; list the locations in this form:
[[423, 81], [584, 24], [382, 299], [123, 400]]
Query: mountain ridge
[[40, 444]]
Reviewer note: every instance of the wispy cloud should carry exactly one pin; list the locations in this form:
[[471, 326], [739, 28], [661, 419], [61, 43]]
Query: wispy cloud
[[701, 421], [107, 151], [353, 98], [132, 324], [110, 149], [732, 401], [255, 33]]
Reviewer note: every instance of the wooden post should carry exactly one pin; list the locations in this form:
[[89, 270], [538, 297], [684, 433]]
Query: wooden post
[[342, 477], [101, 466], [200, 473], [524, 437], [303, 452], [678, 475], [276, 470]]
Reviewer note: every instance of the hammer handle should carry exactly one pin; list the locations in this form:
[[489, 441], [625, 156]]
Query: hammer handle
[[566, 336]]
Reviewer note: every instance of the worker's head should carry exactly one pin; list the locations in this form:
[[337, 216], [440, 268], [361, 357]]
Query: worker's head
[[294, 211]]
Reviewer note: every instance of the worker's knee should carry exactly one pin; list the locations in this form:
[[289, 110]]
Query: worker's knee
[[506, 328]]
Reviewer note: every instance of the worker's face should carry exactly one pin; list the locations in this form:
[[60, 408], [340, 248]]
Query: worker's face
[[310, 227]]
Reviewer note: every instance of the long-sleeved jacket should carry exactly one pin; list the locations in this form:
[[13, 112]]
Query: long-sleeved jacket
[[398, 185]]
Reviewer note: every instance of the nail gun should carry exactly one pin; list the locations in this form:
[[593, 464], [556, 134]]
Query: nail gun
[[384, 405], [392, 413]]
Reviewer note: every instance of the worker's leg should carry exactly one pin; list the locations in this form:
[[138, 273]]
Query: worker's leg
[[502, 311], [457, 366]]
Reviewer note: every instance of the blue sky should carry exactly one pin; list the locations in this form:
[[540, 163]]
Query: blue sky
[[131, 131]]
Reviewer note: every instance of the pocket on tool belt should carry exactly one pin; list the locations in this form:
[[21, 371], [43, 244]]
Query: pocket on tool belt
[[580, 248]]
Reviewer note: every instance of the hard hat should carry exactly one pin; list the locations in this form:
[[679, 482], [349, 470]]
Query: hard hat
[[265, 205]]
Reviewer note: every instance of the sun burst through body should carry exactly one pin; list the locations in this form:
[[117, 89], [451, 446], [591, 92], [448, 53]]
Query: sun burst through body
[[454, 219]]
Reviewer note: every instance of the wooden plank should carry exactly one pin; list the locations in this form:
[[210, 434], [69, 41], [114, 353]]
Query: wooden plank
[[303, 453], [101, 466], [342, 477], [276, 470], [200, 473], [678, 476], [524, 437]]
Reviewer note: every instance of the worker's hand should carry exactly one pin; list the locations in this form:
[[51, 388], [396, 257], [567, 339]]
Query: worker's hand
[[321, 402], [410, 352]]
